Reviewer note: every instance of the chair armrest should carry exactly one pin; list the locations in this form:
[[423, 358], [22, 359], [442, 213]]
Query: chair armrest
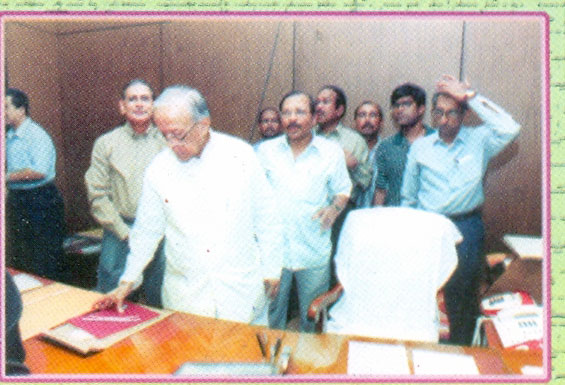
[[495, 258], [322, 302]]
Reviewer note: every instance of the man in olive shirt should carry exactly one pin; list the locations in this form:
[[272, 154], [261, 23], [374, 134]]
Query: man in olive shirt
[[331, 105], [114, 181]]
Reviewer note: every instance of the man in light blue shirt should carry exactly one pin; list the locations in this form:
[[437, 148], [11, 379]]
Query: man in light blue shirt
[[312, 187], [444, 174], [34, 208]]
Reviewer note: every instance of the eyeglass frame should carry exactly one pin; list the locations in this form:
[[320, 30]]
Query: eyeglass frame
[[171, 137], [450, 114]]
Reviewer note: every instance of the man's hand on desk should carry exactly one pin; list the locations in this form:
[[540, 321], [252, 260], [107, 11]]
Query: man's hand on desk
[[115, 298], [272, 287]]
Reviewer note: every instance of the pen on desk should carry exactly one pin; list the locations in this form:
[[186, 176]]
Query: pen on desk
[[261, 346]]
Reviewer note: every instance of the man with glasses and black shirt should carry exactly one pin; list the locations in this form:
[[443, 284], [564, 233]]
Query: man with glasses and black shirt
[[207, 196], [368, 122], [408, 103], [444, 174], [269, 123]]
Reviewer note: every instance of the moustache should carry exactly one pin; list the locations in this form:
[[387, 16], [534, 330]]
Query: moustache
[[368, 125], [294, 125]]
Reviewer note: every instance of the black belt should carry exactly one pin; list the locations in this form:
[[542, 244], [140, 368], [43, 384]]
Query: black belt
[[33, 190], [467, 215]]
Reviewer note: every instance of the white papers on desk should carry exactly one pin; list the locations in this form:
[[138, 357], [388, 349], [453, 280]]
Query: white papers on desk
[[26, 282], [428, 362], [526, 246], [374, 358]]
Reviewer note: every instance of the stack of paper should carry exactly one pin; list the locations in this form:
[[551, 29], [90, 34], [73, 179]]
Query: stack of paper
[[368, 358], [26, 282], [526, 246]]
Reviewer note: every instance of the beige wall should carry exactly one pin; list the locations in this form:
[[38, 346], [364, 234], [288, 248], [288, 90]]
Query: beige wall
[[228, 59], [37, 74], [94, 66]]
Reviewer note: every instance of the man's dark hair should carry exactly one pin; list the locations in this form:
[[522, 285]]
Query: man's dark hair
[[19, 98], [463, 106], [371, 103], [408, 89], [340, 99], [296, 93], [135, 82], [260, 116]]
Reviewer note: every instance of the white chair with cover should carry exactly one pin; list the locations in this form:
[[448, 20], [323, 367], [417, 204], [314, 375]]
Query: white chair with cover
[[391, 262]]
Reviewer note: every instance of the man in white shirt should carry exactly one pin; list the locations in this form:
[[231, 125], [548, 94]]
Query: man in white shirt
[[312, 186], [207, 195]]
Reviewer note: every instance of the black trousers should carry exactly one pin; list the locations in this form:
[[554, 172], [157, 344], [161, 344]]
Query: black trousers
[[462, 289], [35, 231]]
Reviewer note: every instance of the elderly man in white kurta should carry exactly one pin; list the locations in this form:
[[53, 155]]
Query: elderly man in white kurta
[[209, 198]]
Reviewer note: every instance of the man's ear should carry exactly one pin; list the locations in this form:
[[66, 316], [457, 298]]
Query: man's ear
[[207, 122], [122, 106], [341, 110], [422, 110]]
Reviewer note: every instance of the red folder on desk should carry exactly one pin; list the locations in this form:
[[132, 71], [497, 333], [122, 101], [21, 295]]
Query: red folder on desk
[[95, 331], [103, 323]]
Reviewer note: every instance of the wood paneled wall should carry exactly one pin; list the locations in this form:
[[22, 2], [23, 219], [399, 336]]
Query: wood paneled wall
[[243, 63]]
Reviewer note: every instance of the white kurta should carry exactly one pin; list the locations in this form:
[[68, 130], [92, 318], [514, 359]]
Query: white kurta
[[216, 213], [391, 262]]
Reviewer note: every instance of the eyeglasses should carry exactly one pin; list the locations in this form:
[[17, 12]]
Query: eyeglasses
[[175, 137], [372, 115], [405, 104], [451, 114], [267, 121]]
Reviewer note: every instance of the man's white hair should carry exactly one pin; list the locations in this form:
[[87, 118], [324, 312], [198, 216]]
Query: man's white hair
[[185, 97]]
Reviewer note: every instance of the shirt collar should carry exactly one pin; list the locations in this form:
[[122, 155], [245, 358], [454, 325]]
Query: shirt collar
[[336, 132], [314, 143], [22, 129], [459, 139], [399, 138], [150, 130]]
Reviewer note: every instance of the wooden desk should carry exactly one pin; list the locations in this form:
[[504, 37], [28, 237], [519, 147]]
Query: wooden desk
[[163, 347]]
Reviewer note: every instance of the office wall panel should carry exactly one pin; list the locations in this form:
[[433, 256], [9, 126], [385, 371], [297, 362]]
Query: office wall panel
[[231, 62], [368, 57], [31, 65], [503, 61], [228, 59], [94, 66]]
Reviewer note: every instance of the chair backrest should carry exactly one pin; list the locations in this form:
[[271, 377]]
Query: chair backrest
[[391, 263]]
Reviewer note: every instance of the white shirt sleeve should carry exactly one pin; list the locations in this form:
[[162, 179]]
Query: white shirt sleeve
[[146, 233], [267, 222], [501, 127]]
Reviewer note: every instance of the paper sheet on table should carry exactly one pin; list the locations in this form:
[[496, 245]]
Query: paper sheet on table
[[374, 358], [532, 370], [428, 362], [26, 282], [526, 246]]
